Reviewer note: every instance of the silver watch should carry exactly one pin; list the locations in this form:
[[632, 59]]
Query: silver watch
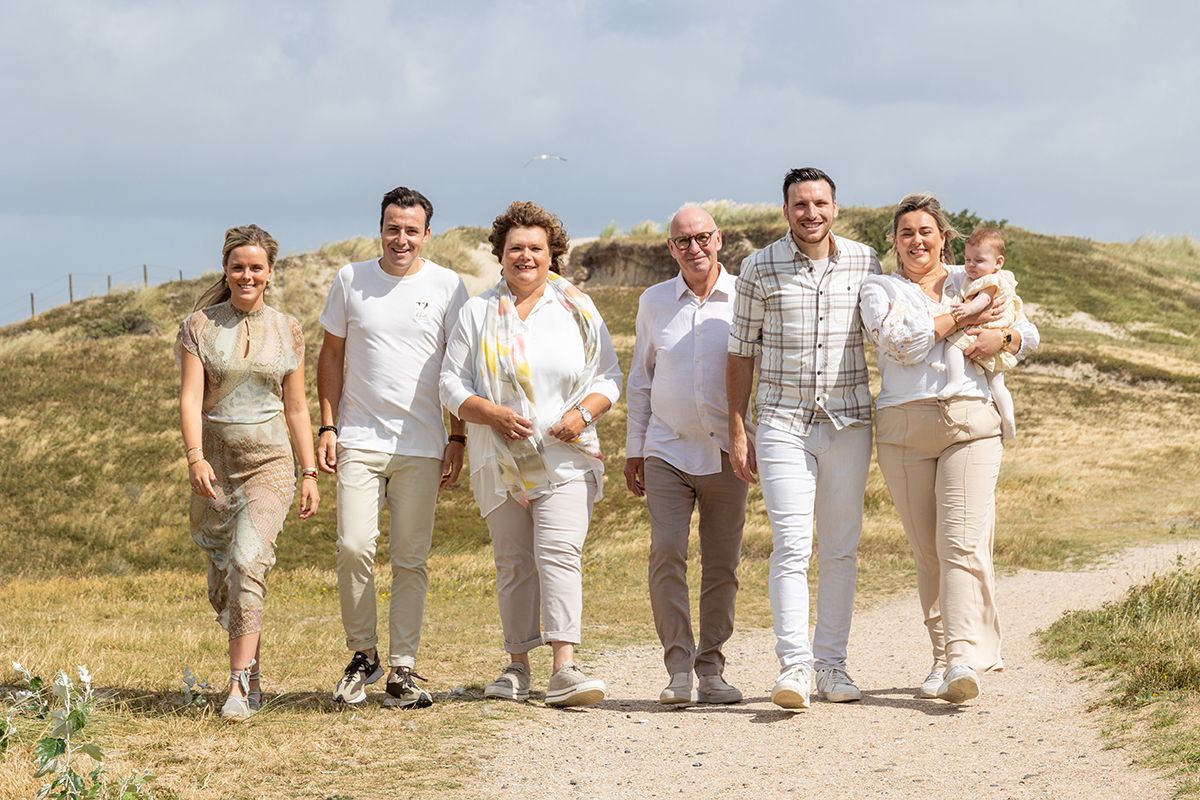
[[588, 419]]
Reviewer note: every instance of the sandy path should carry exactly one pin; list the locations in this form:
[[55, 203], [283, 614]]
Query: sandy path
[[1028, 736]]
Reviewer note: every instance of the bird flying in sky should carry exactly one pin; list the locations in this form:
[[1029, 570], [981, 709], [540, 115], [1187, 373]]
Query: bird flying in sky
[[545, 157]]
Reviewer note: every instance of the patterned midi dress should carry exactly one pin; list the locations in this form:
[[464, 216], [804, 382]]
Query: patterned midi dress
[[245, 440]]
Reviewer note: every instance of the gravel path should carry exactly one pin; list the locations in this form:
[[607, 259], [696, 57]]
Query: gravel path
[[1028, 736]]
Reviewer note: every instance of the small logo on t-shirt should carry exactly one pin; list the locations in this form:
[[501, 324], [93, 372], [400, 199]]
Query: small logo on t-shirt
[[422, 309]]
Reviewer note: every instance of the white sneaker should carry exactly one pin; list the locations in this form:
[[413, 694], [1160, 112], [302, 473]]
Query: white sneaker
[[570, 687], [714, 689], [791, 688], [933, 682], [836, 686], [961, 684], [512, 684], [679, 691]]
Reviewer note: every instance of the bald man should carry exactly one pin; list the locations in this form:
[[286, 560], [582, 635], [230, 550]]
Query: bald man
[[676, 449]]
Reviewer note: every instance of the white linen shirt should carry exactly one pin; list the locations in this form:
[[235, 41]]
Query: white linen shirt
[[898, 318], [554, 349], [678, 406]]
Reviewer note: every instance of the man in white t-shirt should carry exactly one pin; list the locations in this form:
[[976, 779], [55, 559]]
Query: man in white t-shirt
[[386, 324]]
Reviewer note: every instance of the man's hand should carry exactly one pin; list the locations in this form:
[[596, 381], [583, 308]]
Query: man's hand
[[741, 457], [635, 476], [452, 461], [327, 452]]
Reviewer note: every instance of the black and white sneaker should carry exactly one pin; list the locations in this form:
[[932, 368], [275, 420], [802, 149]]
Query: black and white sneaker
[[404, 693], [360, 672]]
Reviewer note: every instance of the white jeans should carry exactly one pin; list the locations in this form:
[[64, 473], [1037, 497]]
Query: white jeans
[[820, 476]]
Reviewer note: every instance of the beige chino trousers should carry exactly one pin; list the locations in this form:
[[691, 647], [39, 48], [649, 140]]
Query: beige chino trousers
[[671, 496], [366, 480], [941, 460], [539, 564]]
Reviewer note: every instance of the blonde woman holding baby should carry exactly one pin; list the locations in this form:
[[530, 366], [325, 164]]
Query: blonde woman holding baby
[[938, 445]]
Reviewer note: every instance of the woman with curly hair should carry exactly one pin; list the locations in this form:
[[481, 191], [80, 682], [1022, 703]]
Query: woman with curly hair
[[241, 398], [530, 368]]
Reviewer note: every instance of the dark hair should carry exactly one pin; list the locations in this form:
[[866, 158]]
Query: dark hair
[[523, 214], [241, 236], [804, 174], [404, 197]]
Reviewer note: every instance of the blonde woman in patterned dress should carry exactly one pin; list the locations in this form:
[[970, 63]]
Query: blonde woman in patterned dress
[[240, 398]]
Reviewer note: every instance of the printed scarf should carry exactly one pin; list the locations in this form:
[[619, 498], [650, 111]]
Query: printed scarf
[[508, 381]]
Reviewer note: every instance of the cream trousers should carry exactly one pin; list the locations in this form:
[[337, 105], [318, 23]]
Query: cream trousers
[[366, 480], [539, 564], [941, 460]]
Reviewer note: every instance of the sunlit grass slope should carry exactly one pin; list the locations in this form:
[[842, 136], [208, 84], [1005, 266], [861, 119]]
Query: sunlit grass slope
[[98, 567]]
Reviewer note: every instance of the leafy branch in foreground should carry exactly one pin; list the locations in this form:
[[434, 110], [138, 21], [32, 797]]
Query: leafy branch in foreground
[[64, 709]]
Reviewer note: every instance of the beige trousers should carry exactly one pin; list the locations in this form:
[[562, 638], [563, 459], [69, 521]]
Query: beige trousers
[[539, 565], [941, 460], [366, 480], [671, 496]]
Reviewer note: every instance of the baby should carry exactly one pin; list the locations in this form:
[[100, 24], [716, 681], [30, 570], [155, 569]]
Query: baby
[[984, 263]]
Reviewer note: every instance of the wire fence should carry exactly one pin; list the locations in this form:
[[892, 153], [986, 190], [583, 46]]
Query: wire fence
[[80, 285]]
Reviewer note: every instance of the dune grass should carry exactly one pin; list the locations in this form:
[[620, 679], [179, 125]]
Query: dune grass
[[99, 568], [1147, 648]]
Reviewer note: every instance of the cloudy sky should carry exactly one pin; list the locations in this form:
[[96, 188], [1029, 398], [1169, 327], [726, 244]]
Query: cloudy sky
[[136, 132]]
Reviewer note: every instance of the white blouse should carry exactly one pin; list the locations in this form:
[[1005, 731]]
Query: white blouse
[[898, 317], [554, 349]]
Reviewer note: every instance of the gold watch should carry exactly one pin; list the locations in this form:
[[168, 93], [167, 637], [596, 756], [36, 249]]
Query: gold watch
[[1007, 339]]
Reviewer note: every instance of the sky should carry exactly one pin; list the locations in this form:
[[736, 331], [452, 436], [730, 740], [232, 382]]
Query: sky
[[136, 133]]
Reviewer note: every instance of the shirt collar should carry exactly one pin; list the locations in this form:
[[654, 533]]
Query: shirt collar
[[724, 284], [797, 254]]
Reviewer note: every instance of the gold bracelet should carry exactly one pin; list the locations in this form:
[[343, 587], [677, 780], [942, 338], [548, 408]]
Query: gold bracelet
[[196, 460]]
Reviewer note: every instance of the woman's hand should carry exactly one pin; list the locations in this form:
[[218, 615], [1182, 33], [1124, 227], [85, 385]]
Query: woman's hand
[[988, 342], [990, 314], [310, 497], [509, 424], [202, 478], [569, 427]]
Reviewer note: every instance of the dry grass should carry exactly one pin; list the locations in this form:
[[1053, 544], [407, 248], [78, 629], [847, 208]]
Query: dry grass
[[100, 569]]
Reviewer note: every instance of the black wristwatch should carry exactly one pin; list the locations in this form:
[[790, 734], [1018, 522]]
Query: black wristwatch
[[324, 428]]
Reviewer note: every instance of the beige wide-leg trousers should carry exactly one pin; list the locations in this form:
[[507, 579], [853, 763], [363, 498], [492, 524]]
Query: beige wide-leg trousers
[[941, 460], [409, 486], [671, 496], [539, 564]]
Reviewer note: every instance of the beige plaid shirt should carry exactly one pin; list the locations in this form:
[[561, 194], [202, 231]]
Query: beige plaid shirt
[[809, 334]]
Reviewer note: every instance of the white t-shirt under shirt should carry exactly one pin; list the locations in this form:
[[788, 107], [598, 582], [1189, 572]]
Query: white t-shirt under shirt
[[395, 330]]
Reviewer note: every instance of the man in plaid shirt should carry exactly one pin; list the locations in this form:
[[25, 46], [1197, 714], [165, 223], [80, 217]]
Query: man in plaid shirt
[[797, 314]]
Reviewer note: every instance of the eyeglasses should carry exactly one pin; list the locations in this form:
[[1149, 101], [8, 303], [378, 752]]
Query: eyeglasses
[[684, 242]]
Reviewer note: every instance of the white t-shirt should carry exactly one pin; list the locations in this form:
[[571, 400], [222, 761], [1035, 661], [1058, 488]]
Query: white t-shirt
[[395, 330]]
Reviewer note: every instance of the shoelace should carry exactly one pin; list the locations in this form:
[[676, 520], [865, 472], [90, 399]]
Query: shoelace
[[406, 678], [839, 675], [359, 663]]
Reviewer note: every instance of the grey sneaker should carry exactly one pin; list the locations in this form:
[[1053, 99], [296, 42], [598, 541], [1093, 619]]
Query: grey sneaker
[[254, 697], [360, 672], [570, 687], [511, 684], [933, 682], [404, 693], [714, 689], [836, 686], [961, 684], [791, 688], [679, 691]]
